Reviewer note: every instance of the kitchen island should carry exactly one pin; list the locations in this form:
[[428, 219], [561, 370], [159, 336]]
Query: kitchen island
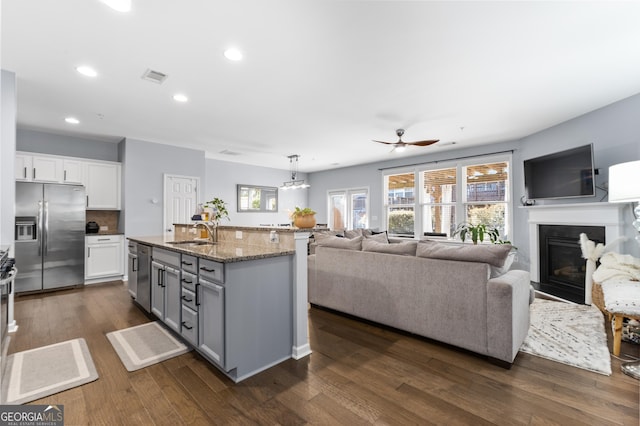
[[235, 303]]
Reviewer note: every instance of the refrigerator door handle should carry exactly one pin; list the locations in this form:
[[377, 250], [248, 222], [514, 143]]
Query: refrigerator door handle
[[40, 227], [46, 228]]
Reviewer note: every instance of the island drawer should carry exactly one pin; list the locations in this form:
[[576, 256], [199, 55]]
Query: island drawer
[[189, 263], [189, 299], [188, 281], [166, 257], [189, 328], [211, 270]]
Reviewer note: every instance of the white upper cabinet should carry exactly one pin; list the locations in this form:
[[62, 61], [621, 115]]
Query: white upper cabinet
[[24, 167], [102, 181], [73, 171]]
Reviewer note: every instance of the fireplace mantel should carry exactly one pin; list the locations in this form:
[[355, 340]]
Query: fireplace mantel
[[608, 215]]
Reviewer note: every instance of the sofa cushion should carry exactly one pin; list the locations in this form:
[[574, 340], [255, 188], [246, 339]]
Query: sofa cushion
[[381, 237], [493, 254], [339, 242], [406, 248]]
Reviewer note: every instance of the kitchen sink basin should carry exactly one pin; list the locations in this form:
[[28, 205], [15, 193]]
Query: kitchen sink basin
[[191, 243]]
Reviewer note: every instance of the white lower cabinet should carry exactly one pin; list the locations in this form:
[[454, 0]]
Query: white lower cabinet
[[104, 256]]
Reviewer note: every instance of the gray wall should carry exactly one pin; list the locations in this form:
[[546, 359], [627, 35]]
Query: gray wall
[[221, 181], [71, 146], [8, 113], [144, 165], [614, 131]]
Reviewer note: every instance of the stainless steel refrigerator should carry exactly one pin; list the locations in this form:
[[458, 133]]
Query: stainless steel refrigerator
[[50, 230]]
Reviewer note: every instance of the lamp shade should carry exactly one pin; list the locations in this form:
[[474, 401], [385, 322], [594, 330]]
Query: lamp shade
[[624, 182]]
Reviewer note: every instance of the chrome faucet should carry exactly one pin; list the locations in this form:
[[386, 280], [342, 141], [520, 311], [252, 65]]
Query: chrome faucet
[[210, 230]]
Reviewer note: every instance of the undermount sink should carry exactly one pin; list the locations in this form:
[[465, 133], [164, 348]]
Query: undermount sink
[[191, 243]]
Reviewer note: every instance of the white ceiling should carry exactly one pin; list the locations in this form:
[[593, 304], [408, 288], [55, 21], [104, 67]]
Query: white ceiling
[[319, 78]]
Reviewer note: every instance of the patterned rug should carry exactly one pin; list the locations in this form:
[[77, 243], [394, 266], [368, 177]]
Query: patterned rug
[[570, 334], [145, 345]]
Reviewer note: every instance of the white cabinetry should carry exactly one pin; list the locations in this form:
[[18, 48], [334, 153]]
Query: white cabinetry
[[24, 167], [73, 171], [104, 256], [102, 179], [103, 186]]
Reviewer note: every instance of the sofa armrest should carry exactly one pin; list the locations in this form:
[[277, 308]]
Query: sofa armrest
[[507, 314]]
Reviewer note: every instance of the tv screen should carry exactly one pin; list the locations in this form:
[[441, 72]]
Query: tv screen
[[564, 174]]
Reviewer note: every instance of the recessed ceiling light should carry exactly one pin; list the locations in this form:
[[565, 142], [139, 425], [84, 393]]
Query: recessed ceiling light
[[72, 120], [86, 70], [180, 98], [233, 54], [119, 5]]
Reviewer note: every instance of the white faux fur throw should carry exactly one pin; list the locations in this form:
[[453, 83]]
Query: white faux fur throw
[[617, 266]]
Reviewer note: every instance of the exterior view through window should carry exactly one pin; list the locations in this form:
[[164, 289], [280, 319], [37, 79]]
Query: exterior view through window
[[446, 196], [349, 209]]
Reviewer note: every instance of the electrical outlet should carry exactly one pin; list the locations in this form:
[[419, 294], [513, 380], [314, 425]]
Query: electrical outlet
[[192, 230], [238, 235], [104, 228]]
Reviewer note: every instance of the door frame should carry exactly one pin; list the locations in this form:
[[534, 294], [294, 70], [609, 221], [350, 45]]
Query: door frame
[[166, 177]]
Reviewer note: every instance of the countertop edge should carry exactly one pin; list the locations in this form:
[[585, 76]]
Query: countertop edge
[[222, 259]]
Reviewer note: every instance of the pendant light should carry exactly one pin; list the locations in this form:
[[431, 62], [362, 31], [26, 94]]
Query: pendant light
[[294, 183]]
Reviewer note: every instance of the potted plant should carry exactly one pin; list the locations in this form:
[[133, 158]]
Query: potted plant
[[218, 210], [478, 232], [303, 218]]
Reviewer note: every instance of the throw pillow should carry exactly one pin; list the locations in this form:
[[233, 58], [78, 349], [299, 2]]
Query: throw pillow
[[493, 254], [496, 271], [339, 242], [406, 248], [381, 238], [353, 233]]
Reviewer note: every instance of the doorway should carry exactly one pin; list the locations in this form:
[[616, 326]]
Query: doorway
[[180, 199]]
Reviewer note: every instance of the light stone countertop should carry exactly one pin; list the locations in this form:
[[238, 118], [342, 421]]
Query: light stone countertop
[[225, 252]]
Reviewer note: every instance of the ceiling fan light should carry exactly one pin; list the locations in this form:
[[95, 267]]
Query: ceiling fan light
[[399, 148]]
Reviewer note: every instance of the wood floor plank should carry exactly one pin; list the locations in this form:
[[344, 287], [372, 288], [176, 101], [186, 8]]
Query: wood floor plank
[[358, 373]]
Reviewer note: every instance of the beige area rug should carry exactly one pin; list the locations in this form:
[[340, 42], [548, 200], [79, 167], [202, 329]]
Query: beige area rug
[[570, 334], [41, 372], [145, 345]]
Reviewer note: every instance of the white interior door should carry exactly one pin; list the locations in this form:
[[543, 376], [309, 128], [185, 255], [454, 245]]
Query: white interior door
[[180, 199]]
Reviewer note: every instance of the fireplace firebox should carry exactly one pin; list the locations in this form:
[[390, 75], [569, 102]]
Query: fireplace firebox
[[562, 268]]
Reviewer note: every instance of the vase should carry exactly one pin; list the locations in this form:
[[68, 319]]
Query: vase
[[306, 221]]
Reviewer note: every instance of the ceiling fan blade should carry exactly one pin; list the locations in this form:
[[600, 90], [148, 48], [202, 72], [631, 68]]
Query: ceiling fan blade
[[423, 143], [386, 143]]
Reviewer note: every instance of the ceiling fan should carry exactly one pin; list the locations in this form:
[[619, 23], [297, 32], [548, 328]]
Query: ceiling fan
[[401, 145]]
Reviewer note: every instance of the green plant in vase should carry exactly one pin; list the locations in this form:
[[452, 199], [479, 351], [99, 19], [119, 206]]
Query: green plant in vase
[[478, 232], [303, 218], [219, 210]]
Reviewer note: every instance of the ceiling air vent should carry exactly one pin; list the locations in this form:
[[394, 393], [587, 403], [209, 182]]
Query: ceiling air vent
[[154, 76]]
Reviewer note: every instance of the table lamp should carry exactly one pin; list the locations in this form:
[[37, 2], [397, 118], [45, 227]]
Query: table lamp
[[624, 187]]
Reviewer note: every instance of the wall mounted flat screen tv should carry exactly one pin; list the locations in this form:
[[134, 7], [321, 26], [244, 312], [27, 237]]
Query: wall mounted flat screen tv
[[565, 174]]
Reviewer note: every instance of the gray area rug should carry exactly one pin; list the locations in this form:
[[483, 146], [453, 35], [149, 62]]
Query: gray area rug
[[36, 373], [145, 345], [570, 334]]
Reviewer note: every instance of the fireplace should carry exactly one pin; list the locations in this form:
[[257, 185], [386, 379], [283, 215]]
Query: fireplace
[[565, 276], [562, 268]]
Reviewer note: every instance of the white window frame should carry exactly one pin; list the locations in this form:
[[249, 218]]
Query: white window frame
[[348, 192], [461, 202]]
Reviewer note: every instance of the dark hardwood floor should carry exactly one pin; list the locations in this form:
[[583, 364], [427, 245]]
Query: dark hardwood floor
[[357, 374]]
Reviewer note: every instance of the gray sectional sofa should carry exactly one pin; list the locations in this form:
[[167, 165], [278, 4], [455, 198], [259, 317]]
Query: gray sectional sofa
[[439, 291]]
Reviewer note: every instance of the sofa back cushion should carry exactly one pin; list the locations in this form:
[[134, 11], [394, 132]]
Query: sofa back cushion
[[493, 254], [406, 248], [339, 242]]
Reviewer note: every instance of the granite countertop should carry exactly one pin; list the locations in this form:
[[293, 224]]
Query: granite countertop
[[225, 252], [264, 228]]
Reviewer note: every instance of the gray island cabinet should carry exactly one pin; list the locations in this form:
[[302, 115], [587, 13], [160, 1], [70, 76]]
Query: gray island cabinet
[[233, 304]]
